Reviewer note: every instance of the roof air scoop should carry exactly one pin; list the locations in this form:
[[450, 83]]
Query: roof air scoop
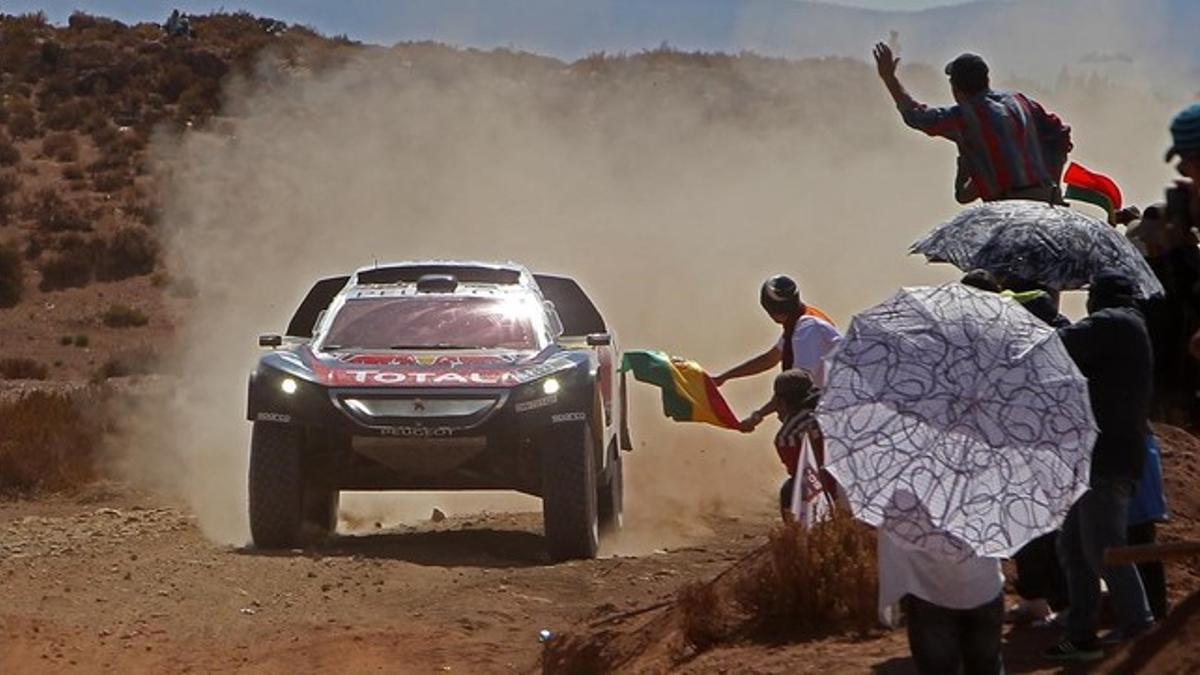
[[437, 283]]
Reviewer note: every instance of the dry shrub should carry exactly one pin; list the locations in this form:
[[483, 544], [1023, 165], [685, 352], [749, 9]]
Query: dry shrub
[[12, 279], [22, 123], [700, 614], [55, 215], [131, 252], [111, 181], [141, 360], [9, 154], [67, 116], [62, 146], [73, 173], [48, 444], [103, 132], [821, 581], [21, 368], [9, 182], [124, 316], [72, 268]]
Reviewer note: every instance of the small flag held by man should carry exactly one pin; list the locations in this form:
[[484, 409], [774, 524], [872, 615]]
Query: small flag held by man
[[1093, 188]]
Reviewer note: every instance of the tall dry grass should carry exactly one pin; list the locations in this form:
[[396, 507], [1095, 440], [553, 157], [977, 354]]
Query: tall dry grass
[[799, 584], [822, 581], [48, 444]]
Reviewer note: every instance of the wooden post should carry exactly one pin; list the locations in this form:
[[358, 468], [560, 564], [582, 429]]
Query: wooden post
[[1176, 550]]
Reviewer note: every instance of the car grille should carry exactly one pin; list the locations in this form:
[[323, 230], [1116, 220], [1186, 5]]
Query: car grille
[[394, 408]]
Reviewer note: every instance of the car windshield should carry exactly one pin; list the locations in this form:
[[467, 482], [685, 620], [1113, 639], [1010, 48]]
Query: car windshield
[[433, 322]]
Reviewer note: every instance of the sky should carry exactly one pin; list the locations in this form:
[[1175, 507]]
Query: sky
[[133, 11]]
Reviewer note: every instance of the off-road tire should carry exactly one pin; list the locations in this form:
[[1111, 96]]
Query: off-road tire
[[611, 499], [287, 507], [569, 505]]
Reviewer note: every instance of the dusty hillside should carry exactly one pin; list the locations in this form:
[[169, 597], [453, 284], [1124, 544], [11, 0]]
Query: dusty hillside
[[84, 292]]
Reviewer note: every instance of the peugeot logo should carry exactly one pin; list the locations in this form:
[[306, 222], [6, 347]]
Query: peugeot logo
[[418, 405]]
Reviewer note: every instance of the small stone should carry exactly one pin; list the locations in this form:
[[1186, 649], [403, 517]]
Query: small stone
[[437, 516]]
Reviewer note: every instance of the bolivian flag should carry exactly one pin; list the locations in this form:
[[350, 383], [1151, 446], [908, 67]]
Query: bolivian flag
[[1093, 188], [688, 393]]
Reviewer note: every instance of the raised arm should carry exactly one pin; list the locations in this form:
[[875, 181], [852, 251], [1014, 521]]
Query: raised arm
[[885, 64], [943, 122]]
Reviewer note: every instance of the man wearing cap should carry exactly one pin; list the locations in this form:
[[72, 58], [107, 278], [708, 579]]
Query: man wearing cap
[[1009, 146], [1185, 137], [808, 335], [1112, 349], [1185, 144]]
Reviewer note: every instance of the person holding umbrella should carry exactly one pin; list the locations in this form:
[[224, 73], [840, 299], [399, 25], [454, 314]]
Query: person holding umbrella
[[956, 423], [1111, 346], [808, 336], [1009, 146]]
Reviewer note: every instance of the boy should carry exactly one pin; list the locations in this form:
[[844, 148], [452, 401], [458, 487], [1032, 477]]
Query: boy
[[795, 402]]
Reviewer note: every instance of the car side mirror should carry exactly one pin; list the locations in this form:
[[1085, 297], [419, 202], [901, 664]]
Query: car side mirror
[[599, 340], [270, 340]]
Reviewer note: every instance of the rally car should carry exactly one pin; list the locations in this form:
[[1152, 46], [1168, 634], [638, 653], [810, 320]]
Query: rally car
[[439, 376]]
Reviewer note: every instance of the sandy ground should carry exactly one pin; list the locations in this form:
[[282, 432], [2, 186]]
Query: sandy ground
[[114, 580]]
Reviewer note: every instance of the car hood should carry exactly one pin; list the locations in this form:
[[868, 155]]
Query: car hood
[[432, 368]]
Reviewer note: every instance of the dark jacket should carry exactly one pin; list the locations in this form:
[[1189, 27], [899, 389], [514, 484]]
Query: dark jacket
[[1112, 349]]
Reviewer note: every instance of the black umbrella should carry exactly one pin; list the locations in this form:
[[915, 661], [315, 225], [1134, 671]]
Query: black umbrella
[[1053, 246]]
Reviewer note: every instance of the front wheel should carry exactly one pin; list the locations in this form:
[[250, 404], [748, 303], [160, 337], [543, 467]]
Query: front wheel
[[612, 497], [569, 505], [288, 506]]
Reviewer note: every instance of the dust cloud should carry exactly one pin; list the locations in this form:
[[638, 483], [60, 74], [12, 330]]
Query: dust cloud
[[670, 186]]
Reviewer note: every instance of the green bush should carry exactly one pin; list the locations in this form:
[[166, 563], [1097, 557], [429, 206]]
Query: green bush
[[12, 278], [124, 316]]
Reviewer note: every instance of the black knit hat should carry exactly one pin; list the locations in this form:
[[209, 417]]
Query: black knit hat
[[1111, 289], [780, 295]]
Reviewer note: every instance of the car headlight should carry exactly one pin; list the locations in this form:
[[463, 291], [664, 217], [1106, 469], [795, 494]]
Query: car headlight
[[550, 386], [288, 385]]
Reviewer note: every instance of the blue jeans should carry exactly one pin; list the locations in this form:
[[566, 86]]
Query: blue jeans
[[947, 641], [1096, 522]]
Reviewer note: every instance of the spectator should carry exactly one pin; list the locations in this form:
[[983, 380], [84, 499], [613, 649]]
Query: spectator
[[955, 608], [808, 336], [1112, 348], [1009, 147], [1148, 508], [1041, 582], [796, 400], [981, 279]]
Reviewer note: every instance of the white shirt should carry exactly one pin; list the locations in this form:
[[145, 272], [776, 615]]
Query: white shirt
[[942, 581], [812, 341]]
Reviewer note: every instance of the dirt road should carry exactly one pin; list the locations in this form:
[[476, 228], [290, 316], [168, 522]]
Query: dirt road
[[116, 581]]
